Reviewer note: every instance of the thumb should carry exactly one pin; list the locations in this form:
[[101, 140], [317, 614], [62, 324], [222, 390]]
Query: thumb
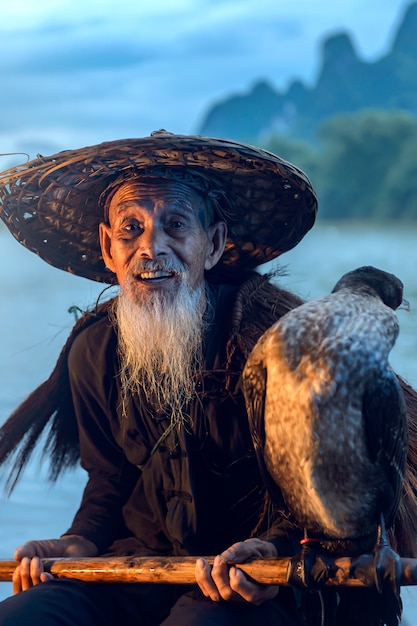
[[45, 576]]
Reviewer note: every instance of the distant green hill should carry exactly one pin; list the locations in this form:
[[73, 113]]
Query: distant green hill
[[345, 84]]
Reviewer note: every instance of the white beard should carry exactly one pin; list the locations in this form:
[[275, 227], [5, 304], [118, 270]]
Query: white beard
[[160, 344]]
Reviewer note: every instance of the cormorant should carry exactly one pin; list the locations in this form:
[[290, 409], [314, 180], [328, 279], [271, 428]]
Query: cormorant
[[329, 423]]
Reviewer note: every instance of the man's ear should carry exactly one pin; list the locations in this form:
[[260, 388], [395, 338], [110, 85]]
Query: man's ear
[[217, 233], [105, 244]]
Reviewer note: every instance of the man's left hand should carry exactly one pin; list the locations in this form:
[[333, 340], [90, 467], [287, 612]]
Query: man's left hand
[[222, 581]]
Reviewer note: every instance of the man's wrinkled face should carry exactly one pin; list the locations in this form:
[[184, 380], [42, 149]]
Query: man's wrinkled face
[[157, 235], [159, 243]]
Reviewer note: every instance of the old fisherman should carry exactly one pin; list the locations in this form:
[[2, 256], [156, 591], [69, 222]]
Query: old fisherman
[[146, 392]]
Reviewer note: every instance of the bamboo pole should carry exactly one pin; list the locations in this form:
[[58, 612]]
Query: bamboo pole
[[180, 570]]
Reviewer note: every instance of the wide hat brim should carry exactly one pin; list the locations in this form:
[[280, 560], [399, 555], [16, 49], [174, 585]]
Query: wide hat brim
[[52, 205]]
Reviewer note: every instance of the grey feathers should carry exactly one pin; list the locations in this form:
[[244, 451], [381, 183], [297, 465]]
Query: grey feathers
[[326, 410]]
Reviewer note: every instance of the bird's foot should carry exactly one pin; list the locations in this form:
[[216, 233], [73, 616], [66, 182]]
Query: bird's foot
[[381, 570], [310, 568]]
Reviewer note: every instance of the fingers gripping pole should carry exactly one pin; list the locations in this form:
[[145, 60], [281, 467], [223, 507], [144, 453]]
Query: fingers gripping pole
[[180, 570]]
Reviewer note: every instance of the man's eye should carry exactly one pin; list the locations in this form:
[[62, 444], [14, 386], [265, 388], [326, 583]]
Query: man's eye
[[176, 224], [131, 226]]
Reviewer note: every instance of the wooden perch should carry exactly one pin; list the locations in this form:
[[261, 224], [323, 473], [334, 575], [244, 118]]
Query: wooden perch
[[180, 570]]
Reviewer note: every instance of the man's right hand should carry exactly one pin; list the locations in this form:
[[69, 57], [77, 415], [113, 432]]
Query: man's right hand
[[30, 570]]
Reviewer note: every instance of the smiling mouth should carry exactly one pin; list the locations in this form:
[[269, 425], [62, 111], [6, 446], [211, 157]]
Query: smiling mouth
[[155, 275]]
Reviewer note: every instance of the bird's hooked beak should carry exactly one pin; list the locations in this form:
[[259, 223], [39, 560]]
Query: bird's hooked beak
[[405, 305]]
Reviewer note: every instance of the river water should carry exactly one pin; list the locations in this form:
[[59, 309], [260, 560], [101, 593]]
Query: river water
[[34, 324]]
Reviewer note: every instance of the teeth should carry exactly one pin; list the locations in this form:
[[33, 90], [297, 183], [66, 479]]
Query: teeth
[[155, 274]]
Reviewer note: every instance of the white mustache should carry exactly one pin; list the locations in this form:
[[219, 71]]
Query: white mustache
[[150, 265]]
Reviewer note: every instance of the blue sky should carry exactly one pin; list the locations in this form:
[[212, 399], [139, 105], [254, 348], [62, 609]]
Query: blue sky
[[77, 72]]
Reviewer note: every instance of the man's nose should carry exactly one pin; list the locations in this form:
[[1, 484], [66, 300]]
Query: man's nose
[[153, 242]]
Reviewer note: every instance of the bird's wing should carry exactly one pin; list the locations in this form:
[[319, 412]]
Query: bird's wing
[[254, 388], [254, 379], [385, 422]]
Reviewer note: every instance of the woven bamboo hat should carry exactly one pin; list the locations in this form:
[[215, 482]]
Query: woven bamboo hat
[[53, 205]]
